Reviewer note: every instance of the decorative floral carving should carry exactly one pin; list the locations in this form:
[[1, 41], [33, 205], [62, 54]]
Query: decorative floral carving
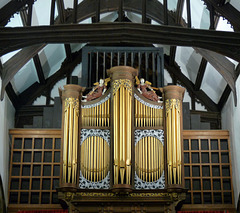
[[86, 184], [139, 134], [158, 184], [105, 134]]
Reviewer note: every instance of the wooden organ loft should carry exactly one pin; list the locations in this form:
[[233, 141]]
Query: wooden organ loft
[[121, 148]]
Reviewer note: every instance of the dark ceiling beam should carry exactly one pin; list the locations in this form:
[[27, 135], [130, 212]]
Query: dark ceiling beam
[[178, 19], [12, 96], [211, 16], [39, 69], [7, 11], [27, 20], [200, 74], [184, 81], [97, 10], [67, 47], [75, 7], [154, 9], [14, 64], [29, 16], [227, 91], [144, 11], [120, 10], [226, 43], [224, 66], [189, 18], [179, 12], [1, 69], [223, 99], [52, 13], [61, 10], [68, 51], [35, 90], [227, 11], [165, 12], [213, 24]]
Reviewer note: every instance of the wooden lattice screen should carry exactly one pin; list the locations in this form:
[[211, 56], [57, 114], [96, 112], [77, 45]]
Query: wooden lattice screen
[[208, 171], [34, 169]]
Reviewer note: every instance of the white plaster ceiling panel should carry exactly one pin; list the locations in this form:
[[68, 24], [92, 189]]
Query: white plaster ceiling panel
[[167, 78], [77, 71], [236, 4], [182, 57], [108, 17], [7, 56], [3, 3], [59, 84], [184, 13], [15, 21], [41, 13], [51, 58], [172, 5], [223, 25], [134, 17], [40, 101], [76, 46], [25, 77], [68, 4], [213, 83], [199, 15], [193, 64]]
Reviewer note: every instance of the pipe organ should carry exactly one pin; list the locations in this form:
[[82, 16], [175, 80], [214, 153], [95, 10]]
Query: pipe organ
[[122, 137]]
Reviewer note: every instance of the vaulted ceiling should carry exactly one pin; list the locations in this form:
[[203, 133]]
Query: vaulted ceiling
[[41, 43]]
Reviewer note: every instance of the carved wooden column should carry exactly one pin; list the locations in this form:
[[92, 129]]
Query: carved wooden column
[[71, 96], [122, 78], [173, 96]]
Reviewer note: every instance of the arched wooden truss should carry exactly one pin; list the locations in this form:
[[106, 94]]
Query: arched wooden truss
[[33, 39]]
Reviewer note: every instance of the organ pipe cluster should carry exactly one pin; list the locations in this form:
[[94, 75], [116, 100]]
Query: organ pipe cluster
[[98, 115], [71, 96], [173, 96], [147, 116], [149, 159], [95, 158], [122, 99]]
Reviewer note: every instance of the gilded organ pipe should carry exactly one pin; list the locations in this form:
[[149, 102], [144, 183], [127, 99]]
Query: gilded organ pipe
[[122, 99], [149, 159], [148, 116], [96, 115], [70, 98], [173, 96]]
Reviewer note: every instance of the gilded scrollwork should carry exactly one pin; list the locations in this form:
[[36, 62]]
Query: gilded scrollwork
[[74, 102], [122, 82], [170, 103]]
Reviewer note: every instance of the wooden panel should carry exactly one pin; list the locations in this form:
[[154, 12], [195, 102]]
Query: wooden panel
[[34, 169], [208, 171]]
